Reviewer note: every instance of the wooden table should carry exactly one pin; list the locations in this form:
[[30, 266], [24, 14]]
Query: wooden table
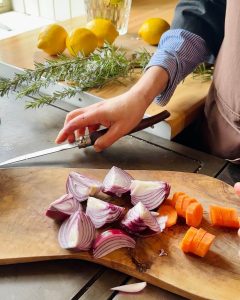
[[188, 99]]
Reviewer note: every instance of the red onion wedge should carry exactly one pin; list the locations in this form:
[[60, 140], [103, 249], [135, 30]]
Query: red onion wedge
[[130, 288], [117, 181], [111, 240], [81, 186], [139, 219], [63, 207], [101, 212], [77, 232], [162, 220], [150, 193]]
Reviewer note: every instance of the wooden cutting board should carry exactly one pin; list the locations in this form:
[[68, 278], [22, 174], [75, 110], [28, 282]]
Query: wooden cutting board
[[26, 235]]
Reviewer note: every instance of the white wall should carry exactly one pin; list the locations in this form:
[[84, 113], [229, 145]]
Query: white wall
[[50, 9]]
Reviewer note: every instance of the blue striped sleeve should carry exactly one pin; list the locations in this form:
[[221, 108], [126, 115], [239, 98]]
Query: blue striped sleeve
[[179, 52]]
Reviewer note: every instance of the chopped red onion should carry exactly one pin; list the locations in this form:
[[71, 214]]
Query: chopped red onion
[[162, 220], [117, 181], [150, 193], [111, 240], [130, 288], [139, 219], [101, 212], [81, 186], [77, 232], [63, 207]]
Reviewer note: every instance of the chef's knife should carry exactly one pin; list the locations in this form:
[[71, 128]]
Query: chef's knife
[[88, 140]]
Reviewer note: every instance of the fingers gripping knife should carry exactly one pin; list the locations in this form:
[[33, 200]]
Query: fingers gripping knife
[[89, 140]]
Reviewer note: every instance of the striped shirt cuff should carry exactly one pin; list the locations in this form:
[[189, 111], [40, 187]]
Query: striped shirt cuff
[[179, 52]]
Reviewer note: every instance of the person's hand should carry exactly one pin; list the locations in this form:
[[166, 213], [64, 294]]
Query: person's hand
[[237, 190], [120, 114]]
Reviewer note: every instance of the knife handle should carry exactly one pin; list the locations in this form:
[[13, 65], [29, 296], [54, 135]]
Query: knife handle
[[145, 123]]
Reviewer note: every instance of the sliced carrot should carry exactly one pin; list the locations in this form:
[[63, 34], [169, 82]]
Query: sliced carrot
[[170, 212], [186, 202], [170, 202], [224, 216], [179, 203], [175, 196], [197, 239], [194, 214], [187, 239], [205, 244]]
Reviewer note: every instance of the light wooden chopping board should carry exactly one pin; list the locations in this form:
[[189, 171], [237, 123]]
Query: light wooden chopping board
[[26, 235]]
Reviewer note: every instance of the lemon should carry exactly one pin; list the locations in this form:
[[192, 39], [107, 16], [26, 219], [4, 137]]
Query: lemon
[[104, 30], [52, 39], [81, 40], [152, 29]]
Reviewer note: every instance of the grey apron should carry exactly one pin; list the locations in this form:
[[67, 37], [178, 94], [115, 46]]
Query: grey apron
[[222, 108]]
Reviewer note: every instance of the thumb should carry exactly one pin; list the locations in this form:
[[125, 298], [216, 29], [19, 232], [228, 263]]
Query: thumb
[[237, 188], [114, 133]]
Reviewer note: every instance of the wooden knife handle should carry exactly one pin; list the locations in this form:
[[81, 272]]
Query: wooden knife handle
[[146, 122]]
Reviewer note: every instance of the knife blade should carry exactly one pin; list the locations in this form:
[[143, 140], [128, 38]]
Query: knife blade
[[88, 140]]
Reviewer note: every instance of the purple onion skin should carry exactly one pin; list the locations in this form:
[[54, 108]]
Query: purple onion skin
[[134, 230], [56, 215]]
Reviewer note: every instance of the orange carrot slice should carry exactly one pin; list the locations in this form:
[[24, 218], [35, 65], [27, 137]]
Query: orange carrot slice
[[205, 244], [187, 239], [224, 216], [179, 203], [186, 202], [197, 239], [170, 202], [194, 214], [170, 212], [175, 196]]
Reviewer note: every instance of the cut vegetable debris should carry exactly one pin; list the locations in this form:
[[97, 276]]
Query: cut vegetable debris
[[130, 288], [150, 193], [196, 241], [117, 181], [224, 216], [194, 214], [139, 219], [77, 232], [101, 212], [63, 207], [170, 212], [81, 186], [110, 240]]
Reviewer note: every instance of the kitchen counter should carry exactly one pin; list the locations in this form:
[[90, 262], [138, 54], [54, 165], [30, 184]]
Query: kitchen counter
[[188, 99]]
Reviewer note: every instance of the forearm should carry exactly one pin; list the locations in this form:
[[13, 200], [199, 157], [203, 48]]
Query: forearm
[[153, 82]]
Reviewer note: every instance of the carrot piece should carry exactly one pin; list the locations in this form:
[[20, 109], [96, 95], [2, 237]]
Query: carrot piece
[[216, 215], [170, 202], [187, 239], [224, 216], [205, 244], [170, 212], [179, 203], [194, 214], [186, 202], [197, 239], [175, 196]]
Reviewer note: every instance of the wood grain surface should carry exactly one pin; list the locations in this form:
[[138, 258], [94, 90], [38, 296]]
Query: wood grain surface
[[27, 235]]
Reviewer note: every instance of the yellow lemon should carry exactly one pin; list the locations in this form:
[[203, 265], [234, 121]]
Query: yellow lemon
[[52, 39], [152, 29], [81, 40], [104, 30]]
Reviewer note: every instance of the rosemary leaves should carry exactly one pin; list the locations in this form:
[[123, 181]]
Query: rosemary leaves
[[81, 73]]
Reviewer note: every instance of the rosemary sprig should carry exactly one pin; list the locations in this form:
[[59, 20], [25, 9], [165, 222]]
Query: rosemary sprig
[[204, 72], [105, 65]]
